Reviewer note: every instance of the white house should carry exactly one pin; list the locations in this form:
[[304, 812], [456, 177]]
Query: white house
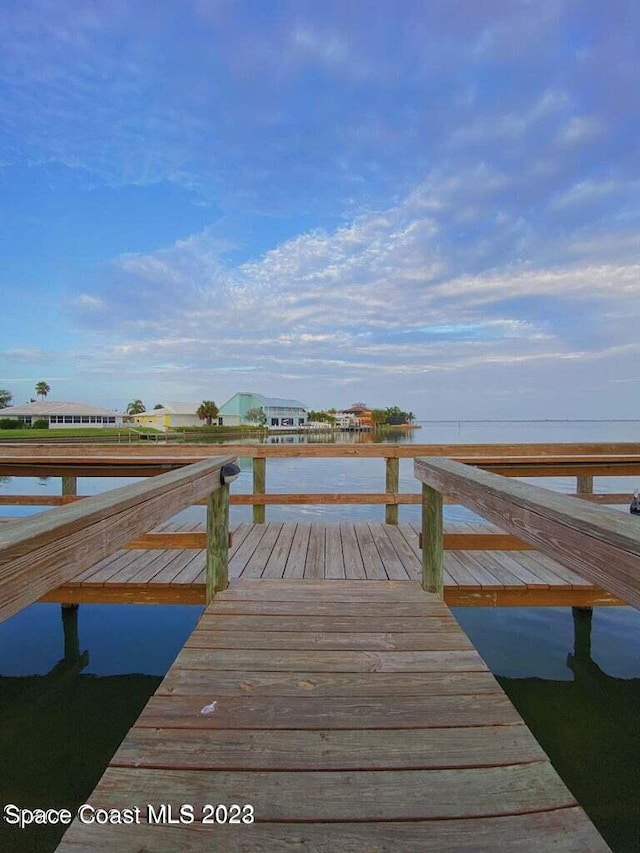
[[63, 415], [170, 415]]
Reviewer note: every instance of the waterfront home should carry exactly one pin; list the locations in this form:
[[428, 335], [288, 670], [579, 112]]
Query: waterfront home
[[278, 412], [170, 416], [357, 417], [63, 415]]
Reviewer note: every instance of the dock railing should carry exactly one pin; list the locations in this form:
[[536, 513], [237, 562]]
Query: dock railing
[[584, 461], [600, 544], [39, 553]]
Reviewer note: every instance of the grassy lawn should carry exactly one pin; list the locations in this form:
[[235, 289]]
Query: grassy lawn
[[73, 432]]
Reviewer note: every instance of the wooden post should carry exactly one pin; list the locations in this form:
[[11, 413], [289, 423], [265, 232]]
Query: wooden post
[[217, 569], [69, 485], [584, 484], [432, 541], [259, 485], [392, 487]]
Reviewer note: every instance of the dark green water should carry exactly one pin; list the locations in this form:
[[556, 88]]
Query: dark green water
[[68, 698]]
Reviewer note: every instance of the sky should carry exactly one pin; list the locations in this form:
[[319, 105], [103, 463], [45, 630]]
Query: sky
[[433, 204]]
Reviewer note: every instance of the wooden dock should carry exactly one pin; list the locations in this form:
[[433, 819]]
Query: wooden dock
[[340, 716], [346, 551]]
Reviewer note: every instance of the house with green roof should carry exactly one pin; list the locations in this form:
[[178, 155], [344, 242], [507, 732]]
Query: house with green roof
[[278, 412]]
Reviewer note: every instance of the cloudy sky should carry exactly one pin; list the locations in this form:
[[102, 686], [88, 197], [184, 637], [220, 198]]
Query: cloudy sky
[[430, 204]]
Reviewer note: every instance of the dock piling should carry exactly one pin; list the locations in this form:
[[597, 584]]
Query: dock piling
[[432, 541], [217, 566]]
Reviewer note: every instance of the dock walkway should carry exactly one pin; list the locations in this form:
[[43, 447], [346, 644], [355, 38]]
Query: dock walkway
[[344, 716], [347, 551]]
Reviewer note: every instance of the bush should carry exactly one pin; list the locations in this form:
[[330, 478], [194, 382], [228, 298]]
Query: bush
[[10, 423], [41, 423]]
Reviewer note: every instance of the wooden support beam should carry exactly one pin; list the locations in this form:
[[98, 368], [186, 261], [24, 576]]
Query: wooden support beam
[[259, 486], [391, 487], [69, 485], [584, 484], [217, 567], [432, 541]]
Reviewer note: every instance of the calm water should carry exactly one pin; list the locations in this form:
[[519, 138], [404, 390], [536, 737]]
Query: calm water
[[69, 693]]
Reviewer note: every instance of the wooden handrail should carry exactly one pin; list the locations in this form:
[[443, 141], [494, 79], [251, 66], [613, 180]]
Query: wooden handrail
[[558, 459], [599, 543], [39, 553]]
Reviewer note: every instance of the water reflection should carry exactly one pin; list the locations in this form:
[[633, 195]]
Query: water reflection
[[587, 722]]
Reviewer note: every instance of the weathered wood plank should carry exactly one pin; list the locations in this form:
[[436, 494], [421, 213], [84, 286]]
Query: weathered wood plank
[[353, 563], [416, 640], [334, 558], [327, 685], [329, 749], [338, 795], [277, 561], [309, 712], [564, 830], [368, 624], [256, 563], [340, 661], [314, 566], [298, 553], [373, 567]]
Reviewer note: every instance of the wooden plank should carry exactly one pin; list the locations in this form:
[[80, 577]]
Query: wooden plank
[[374, 570], [327, 606], [334, 558], [241, 555], [298, 553], [340, 661], [564, 830], [294, 712], [393, 567], [417, 640], [338, 795], [185, 454], [314, 565], [277, 561], [256, 564], [340, 590], [326, 685], [404, 552], [366, 623], [353, 562], [330, 749]]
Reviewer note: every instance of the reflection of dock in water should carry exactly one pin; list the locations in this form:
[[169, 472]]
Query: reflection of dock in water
[[58, 732], [573, 722]]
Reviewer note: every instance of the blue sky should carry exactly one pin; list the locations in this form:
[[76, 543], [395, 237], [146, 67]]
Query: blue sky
[[430, 204]]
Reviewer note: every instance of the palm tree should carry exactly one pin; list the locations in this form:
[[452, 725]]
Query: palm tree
[[42, 389], [256, 416], [5, 398], [207, 411], [136, 407]]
